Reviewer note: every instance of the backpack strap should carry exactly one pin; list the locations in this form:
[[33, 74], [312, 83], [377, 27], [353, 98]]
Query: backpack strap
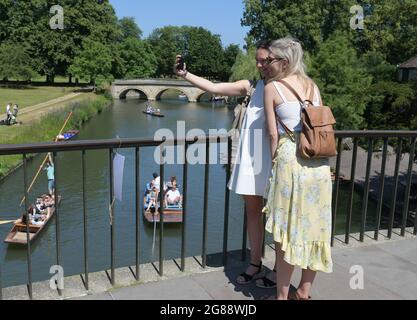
[[295, 93], [249, 93], [280, 92], [288, 131], [240, 109]]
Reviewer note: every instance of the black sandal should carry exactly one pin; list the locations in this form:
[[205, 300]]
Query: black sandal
[[266, 283], [247, 277]]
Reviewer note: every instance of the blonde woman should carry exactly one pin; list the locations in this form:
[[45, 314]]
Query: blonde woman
[[299, 199]]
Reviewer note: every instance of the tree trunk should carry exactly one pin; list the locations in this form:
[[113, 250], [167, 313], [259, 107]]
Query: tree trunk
[[50, 78], [70, 79]]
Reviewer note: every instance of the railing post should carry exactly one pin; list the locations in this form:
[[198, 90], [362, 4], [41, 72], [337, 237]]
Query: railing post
[[205, 213], [366, 189], [394, 196], [352, 189], [408, 188], [227, 200], [336, 188], [112, 221], [244, 233], [138, 206], [29, 256], [1, 286], [184, 207], [161, 215], [86, 282], [381, 189], [57, 226]]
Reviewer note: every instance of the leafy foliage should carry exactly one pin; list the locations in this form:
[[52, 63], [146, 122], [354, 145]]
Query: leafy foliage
[[93, 63], [355, 69], [14, 62], [202, 50], [245, 67]]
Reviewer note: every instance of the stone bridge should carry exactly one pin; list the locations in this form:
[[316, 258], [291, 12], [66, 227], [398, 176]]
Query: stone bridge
[[153, 89]]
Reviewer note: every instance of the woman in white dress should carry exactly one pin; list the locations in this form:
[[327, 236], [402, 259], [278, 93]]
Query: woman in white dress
[[252, 167]]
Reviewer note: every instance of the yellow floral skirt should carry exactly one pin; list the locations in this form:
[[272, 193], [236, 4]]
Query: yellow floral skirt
[[298, 208]]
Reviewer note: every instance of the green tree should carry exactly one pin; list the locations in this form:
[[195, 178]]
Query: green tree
[[129, 28], [245, 66], [342, 79], [231, 53], [14, 62], [166, 43], [52, 51], [392, 106], [378, 67], [93, 63], [390, 28], [203, 51], [138, 60], [310, 21]]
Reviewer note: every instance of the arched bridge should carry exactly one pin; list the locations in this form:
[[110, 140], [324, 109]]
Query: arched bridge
[[153, 89]]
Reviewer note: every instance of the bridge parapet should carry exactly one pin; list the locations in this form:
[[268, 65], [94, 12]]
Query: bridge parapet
[[153, 88]]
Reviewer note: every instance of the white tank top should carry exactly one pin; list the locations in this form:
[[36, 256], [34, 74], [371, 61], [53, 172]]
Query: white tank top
[[290, 111]]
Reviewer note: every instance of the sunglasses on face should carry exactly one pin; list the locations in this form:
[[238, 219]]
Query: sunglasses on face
[[268, 61]]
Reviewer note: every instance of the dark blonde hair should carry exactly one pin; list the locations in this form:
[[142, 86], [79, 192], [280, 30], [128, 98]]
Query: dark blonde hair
[[290, 49]]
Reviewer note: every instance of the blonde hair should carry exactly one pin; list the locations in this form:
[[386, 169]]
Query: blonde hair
[[291, 50]]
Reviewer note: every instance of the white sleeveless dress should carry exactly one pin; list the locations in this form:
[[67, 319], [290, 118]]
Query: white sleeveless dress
[[253, 164]]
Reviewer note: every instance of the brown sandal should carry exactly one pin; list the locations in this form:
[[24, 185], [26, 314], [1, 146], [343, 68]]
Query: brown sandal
[[266, 283], [295, 296], [248, 277]]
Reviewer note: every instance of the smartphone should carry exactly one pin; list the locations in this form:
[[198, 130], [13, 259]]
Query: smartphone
[[180, 65]]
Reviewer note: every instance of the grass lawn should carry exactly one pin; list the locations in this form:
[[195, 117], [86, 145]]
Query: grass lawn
[[30, 96], [9, 134], [49, 125]]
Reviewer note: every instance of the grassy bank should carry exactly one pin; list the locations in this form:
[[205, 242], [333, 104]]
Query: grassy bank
[[48, 127], [30, 96]]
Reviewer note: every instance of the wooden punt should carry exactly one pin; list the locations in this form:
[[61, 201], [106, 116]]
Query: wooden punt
[[171, 215], [17, 234], [155, 114]]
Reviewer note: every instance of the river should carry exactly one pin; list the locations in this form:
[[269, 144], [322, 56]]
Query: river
[[125, 120]]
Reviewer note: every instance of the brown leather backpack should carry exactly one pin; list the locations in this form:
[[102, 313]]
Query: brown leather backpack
[[317, 139]]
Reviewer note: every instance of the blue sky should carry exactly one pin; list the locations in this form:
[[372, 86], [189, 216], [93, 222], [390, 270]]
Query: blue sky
[[221, 17]]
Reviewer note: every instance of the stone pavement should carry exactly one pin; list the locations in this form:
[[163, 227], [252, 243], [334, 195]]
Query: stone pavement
[[389, 272], [389, 269]]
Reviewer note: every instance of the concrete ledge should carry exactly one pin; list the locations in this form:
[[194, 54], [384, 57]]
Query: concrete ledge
[[381, 259]]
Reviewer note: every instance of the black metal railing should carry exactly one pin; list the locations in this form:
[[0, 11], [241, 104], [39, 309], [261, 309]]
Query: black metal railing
[[359, 137], [372, 137]]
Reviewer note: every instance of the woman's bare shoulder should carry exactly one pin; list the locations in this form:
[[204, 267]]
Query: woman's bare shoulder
[[270, 87]]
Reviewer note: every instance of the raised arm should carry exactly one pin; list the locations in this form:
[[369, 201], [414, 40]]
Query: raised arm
[[271, 123], [238, 88]]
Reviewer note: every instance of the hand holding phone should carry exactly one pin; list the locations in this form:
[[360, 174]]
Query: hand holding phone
[[180, 63]]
